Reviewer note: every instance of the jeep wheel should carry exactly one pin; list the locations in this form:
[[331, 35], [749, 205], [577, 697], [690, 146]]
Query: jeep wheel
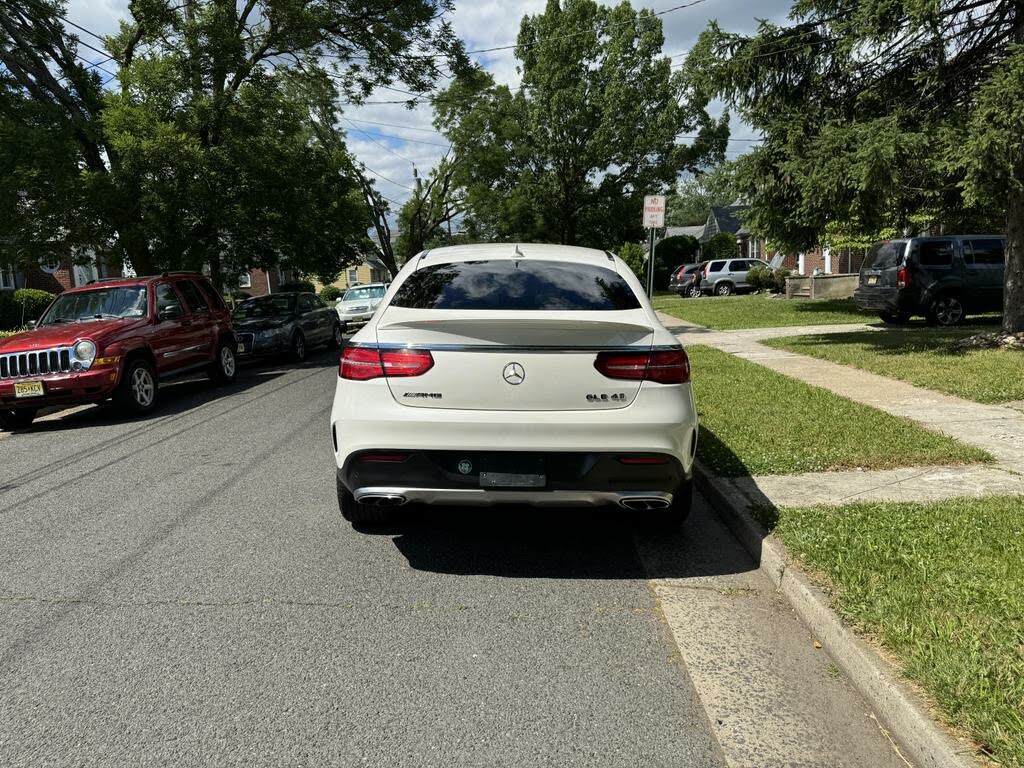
[[225, 367], [947, 311], [723, 289], [16, 418], [137, 391], [298, 351], [361, 515]]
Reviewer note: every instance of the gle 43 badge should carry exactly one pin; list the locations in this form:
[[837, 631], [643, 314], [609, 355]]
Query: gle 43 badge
[[615, 397]]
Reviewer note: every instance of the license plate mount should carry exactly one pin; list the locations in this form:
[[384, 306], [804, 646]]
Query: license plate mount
[[511, 480], [29, 389]]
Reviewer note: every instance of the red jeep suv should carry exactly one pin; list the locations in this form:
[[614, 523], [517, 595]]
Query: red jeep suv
[[116, 339]]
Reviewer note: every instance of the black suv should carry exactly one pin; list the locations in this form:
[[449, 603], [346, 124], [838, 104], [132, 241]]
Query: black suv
[[940, 278]]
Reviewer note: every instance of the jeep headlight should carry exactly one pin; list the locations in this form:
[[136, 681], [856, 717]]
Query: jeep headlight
[[84, 351]]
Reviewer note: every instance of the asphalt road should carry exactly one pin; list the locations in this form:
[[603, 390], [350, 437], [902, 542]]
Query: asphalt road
[[181, 590]]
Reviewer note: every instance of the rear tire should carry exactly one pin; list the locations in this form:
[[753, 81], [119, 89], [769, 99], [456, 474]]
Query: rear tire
[[337, 337], [16, 418], [947, 311], [695, 292], [724, 289], [672, 517], [224, 369], [298, 350], [136, 395], [361, 515]]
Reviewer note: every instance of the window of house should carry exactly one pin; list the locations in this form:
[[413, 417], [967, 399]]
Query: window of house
[[987, 252], [935, 253], [353, 276], [7, 279], [245, 280]]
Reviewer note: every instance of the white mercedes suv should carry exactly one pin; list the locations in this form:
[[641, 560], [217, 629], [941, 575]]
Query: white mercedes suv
[[524, 374]]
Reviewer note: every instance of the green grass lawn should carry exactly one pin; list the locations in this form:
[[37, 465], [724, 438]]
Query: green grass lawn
[[761, 311], [923, 357], [941, 586], [759, 422]]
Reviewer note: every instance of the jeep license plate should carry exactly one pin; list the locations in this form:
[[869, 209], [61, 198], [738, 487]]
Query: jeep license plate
[[29, 389]]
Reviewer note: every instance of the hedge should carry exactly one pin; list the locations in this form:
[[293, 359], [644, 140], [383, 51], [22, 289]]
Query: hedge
[[20, 306]]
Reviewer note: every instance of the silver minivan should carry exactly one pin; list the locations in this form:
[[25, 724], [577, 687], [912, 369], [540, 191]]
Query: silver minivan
[[724, 277]]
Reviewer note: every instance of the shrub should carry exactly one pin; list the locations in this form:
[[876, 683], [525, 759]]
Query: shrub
[[20, 306], [681, 249], [779, 277], [633, 254], [330, 293], [721, 246], [761, 278]]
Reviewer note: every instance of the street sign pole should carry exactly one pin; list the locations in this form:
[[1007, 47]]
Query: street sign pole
[[654, 218]]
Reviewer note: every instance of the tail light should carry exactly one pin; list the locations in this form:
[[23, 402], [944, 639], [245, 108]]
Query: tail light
[[669, 367], [902, 280], [364, 363], [704, 273]]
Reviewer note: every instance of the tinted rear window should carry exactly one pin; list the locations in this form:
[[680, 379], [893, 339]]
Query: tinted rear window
[[885, 255], [517, 285]]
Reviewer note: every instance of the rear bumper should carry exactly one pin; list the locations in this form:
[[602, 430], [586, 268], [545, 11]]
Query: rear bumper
[[470, 477], [88, 387], [883, 299]]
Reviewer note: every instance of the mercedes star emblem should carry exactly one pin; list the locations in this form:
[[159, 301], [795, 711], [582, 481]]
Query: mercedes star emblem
[[514, 374]]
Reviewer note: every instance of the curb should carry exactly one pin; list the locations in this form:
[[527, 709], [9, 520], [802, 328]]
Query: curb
[[900, 711]]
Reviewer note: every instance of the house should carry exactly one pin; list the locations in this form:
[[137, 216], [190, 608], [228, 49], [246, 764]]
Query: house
[[728, 219], [59, 277], [372, 270], [261, 282]]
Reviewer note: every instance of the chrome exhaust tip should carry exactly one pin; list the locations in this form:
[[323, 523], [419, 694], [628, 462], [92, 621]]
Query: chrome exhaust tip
[[382, 499], [645, 503]]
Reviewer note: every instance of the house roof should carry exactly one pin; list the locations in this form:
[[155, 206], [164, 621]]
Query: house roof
[[696, 231], [722, 218]]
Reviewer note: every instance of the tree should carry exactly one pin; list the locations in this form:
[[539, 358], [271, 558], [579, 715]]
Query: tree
[[694, 197], [681, 249], [721, 246], [422, 220], [568, 156], [875, 112], [635, 257], [206, 148]]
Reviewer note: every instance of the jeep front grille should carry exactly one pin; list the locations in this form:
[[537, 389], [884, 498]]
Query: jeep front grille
[[37, 363]]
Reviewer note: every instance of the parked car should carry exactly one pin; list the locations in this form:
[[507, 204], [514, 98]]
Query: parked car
[[116, 339], [358, 304], [686, 280], [941, 278], [724, 277], [536, 376], [285, 323]]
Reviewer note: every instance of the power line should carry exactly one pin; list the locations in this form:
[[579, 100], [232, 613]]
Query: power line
[[385, 147], [382, 177], [394, 125]]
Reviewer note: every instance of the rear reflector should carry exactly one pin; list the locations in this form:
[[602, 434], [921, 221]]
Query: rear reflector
[[391, 458], [901, 278], [643, 460], [668, 367], [363, 363]]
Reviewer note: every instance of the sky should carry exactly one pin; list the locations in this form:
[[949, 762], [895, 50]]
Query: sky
[[391, 152]]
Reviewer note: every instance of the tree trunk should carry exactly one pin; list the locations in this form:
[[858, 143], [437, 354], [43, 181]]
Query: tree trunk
[[1013, 297]]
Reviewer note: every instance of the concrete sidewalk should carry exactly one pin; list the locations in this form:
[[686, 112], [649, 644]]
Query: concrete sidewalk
[[997, 429]]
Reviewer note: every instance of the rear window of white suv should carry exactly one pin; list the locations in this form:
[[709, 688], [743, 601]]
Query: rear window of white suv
[[522, 285]]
